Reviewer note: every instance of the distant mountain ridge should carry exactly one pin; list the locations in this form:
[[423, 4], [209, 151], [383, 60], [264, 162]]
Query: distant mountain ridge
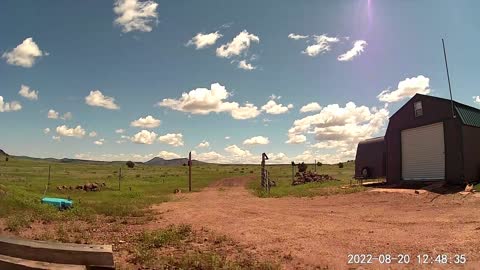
[[156, 161]]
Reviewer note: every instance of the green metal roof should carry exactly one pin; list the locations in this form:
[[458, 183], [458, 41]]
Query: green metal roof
[[470, 116]]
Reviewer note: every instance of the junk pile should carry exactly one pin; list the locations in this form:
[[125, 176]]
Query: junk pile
[[87, 187], [307, 177]]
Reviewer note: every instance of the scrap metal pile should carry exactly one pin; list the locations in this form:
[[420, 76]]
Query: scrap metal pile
[[307, 177]]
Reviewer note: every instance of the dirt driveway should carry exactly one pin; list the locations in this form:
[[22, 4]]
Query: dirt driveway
[[321, 232]]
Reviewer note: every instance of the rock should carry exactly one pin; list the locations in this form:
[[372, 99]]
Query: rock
[[469, 188], [121, 242], [177, 190]]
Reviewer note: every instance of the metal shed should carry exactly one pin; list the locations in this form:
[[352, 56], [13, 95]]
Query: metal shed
[[431, 138], [370, 158]]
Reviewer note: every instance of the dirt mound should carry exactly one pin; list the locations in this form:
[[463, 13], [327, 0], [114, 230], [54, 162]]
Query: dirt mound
[[307, 177]]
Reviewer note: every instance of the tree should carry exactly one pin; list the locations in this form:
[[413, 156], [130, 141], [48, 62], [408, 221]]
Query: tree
[[130, 164], [319, 164], [293, 163], [302, 167], [340, 165]]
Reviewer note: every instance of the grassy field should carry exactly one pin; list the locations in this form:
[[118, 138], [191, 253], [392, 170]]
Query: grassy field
[[23, 182], [282, 174]]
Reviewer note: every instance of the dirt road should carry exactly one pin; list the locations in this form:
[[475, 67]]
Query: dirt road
[[322, 231]]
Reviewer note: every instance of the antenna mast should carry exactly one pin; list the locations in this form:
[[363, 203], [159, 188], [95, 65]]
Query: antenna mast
[[448, 77]]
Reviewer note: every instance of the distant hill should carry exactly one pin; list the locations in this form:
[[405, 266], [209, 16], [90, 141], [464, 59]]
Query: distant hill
[[156, 161], [171, 162]]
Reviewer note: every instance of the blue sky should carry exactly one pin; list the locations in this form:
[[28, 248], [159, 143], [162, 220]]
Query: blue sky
[[109, 63]]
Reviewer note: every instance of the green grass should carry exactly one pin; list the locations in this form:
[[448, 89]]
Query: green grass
[[23, 181], [282, 174], [172, 235], [190, 251]]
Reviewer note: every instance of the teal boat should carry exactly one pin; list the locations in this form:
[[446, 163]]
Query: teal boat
[[59, 203]]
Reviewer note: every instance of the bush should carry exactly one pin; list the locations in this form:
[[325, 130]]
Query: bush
[[302, 167], [319, 164], [340, 165], [130, 164]]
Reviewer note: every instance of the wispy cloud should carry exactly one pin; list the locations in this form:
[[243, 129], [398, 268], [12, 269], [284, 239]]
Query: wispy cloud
[[135, 15], [357, 49]]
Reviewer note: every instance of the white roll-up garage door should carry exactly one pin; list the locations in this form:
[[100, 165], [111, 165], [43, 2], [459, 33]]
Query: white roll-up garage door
[[423, 153]]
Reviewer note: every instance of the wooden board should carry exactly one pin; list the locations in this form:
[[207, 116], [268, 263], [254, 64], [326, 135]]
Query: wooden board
[[88, 255], [11, 263]]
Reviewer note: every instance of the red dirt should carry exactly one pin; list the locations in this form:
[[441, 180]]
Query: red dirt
[[320, 232]]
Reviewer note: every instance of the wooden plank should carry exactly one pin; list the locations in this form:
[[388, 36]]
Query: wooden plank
[[98, 255], [11, 263]]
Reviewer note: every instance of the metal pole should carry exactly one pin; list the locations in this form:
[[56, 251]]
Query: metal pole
[[448, 77], [190, 171], [119, 177]]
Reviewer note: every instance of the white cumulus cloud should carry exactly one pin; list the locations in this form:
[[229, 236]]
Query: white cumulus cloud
[[27, 93], [24, 55], [357, 49], [257, 140], [9, 106], [99, 142], [340, 128], [46, 130], [168, 155], [174, 139], [202, 40], [96, 98], [203, 144], [146, 122], [144, 137], [311, 107], [271, 107], [246, 66], [135, 15], [296, 37], [406, 89], [476, 99], [205, 101], [52, 114], [322, 44], [78, 131], [238, 45], [296, 139], [211, 156]]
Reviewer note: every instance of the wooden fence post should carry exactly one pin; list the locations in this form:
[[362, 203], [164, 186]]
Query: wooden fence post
[[190, 171]]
